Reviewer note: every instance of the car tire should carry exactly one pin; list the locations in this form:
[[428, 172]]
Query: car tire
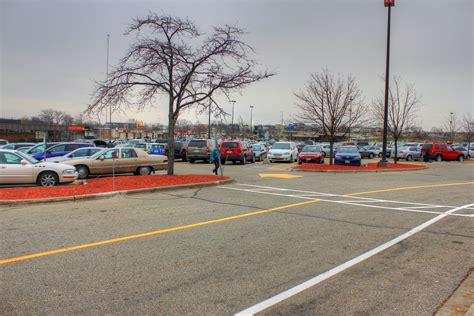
[[439, 158], [461, 158], [371, 156], [243, 161], [253, 159], [191, 160], [144, 171], [47, 179], [83, 172], [409, 158], [185, 158], [299, 162]]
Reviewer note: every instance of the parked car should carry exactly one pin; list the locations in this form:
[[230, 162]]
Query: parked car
[[19, 168], [96, 142], [283, 151], [60, 150], [156, 148], [84, 152], [440, 152], [348, 155], [236, 151], [39, 148], [367, 152], [179, 150], [15, 146], [199, 149], [259, 151], [24, 149], [119, 160], [311, 153], [3, 142], [409, 153], [467, 154]]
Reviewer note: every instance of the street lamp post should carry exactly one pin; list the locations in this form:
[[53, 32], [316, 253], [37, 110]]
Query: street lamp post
[[389, 4], [232, 123], [350, 117], [251, 112], [451, 127], [210, 106]]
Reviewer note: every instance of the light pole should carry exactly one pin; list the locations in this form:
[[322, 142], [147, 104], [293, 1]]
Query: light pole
[[350, 117], [106, 80], [451, 127], [389, 4], [251, 112], [232, 123], [210, 105]]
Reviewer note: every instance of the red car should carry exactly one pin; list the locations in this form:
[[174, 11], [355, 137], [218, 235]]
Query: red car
[[311, 153], [440, 152], [236, 151]]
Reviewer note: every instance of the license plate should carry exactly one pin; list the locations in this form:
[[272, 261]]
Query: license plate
[[348, 161], [229, 151], [308, 159]]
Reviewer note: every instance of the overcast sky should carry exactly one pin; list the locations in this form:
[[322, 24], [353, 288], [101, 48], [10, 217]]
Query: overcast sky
[[52, 52]]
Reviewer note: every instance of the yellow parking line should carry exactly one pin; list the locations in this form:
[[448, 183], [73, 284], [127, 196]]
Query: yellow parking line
[[157, 232], [199, 224]]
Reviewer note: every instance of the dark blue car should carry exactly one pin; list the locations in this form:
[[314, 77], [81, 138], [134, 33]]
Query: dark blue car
[[60, 149], [348, 155]]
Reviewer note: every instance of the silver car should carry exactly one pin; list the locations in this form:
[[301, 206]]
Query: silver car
[[409, 153], [19, 168], [83, 152]]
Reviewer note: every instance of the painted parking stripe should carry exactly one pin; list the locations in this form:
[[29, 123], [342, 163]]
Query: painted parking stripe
[[346, 265]]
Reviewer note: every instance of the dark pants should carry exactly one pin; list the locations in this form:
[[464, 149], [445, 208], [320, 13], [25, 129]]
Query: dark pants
[[216, 166]]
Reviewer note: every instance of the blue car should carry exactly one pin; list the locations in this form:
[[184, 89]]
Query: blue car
[[348, 155], [60, 149]]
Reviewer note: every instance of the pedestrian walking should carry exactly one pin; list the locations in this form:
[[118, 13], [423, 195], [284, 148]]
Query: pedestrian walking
[[215, 157]]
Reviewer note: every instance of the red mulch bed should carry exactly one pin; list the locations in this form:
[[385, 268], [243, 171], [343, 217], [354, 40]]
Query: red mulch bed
[[102, 185], [369, 166]]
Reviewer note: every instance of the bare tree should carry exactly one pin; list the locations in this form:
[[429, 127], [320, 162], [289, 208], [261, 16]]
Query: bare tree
[[171, 57], [331, 104], [402, 110], [55, 117], [467, 127]]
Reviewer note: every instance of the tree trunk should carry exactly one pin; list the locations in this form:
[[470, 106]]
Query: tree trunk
[[331, 151], [395, 153], [171, 126]]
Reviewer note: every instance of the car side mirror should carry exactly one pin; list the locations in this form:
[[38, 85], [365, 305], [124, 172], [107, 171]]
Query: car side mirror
[[24, 162], [102, 158]]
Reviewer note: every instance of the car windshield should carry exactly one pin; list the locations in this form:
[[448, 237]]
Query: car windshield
[[257, 147], [197, 143], [36, 149], [281, 146], [312, 149], [347, 150], [28, 158]]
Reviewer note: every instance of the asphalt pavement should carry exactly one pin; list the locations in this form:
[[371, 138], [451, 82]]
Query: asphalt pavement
[[295, 243]]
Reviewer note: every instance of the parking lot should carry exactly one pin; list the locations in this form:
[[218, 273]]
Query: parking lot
[[273, 241]]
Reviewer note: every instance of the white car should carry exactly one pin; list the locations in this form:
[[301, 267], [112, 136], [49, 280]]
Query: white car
[[83, 152], [19, 168], [283, 151]]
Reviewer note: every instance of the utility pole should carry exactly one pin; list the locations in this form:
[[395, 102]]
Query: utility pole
[[389, 4], [451, 127]]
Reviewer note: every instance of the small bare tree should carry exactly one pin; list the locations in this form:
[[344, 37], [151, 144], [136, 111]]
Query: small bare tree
[[331, 104], [403, 106], [467, 127], [171, 57]]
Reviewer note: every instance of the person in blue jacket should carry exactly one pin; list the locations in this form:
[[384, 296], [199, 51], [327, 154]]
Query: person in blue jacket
[[215, 157]]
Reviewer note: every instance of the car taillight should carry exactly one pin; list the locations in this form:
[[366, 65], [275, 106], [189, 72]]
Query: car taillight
[[208, 149]]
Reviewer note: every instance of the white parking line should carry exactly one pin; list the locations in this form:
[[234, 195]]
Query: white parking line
[[358, 203], [346, 265]]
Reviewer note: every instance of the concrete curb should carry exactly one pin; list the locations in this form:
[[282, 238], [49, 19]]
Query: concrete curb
[[105, 195], [358, 171]]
